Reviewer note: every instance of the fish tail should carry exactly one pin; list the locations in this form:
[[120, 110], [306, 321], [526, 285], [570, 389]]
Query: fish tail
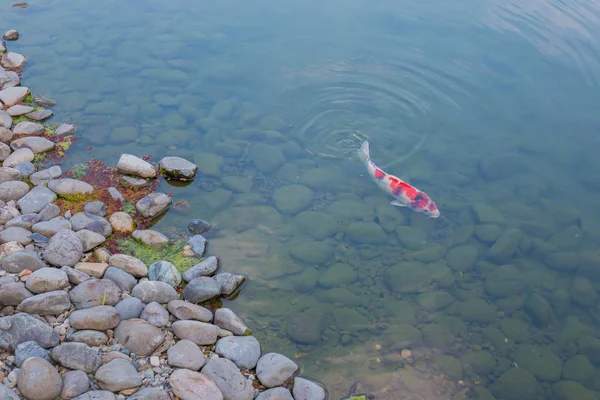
[[363, 152]]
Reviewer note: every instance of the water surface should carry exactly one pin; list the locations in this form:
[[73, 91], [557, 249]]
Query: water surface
[[490, 107]]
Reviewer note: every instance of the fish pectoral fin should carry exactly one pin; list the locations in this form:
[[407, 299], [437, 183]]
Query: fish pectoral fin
[[397, 203]]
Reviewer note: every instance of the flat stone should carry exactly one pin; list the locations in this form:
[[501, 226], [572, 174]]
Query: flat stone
[[65, 130], [278, 393], [13, 293], [18, 109], [198, 332], [150, 393], [64, 249], [15, 234], [129, 264], [124, 281], [29, 349], [118, 375], [91, 222], [191, 385], [54, 302], [95, 292], [155, 314], [244, 351], [177, 168], [68, 187], [204, 268], [4, 151], [23, 327], [28, 128], [13, 190], [96, 395], [25, 221], [26, 168], [151, 238], [39, 380], [274, 369], [139, 336], [9, 174], [152, 205], [37, 198], [100, 318], [18, 156], [307, 390], [96, 270], [164, 271], [79, 356], [132, 165], [187, 311], [34, 143], [47, 279], [12, 60], [129, 308], [186, 354], [5, 119], [122, 222], [90, 239], [90, 337], [198, 244], [149, 291], [134, 182], [44, 176], [50, 228], [202, 289], [95, 207], [40, 115], [13, 95], [8, 79], [229, 379], [74, 384]]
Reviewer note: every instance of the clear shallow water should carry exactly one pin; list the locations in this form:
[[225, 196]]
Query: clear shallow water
[[490, 107]]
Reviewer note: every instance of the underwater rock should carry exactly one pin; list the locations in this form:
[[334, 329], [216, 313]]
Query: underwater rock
[[487, 214], [462, 258], [568, 390], [516, 384], [306, 327], [314, 253], [266, 158], [503, 166], [337, 275], [293, 199], [434, 301], [411, 238], [506, 245], [408, 277], [579, 369], [504, 281], [540, 361], [478, 311], [448, 365], [209, 164], [583, 292], [539, 310], [366, 233], [482, 362], [316, 224], [515, 330]]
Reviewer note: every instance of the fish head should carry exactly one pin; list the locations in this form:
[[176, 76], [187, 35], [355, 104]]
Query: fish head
[[424, 205]]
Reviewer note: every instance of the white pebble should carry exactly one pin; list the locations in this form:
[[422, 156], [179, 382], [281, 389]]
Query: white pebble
[[155, 361]]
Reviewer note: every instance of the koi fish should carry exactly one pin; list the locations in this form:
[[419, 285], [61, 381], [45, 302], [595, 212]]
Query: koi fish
[[404, 194]]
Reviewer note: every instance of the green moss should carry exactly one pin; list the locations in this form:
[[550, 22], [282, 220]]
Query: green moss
[[129, 208], [20, 118], [80, 170], [77, 197], [29, 100], [171, 252], [50, 129]]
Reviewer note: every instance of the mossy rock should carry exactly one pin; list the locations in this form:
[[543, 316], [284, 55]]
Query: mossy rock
[[482, 362], [314, 253], [124, 134], [516, 384], [540, 361], [348, 319], [462, 258], [293, 199], [441, 274], [488, 233], [569, 390], [434, 301], [478, 311], [341, 296], [579, 369], [437, 335], [515, 330], [237, 183], [337, 275], [411, 238], [266, 158], [504, 281], [306, 280], [366, 233], [448, 365], [398, 337], [408, 277], [389, 217], [539, 310], [316, 224], [306, 327], [209, 164], [350, 210], [322, 179]]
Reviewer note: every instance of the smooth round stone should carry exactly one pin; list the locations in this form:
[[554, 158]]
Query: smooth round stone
[[229, 379], [28, 128], [229, 282], [204, 268], [26, 350], [225, 318], [37, 198], [139, 336], [50, 303], [13, 190], [9, 174], [130, 307], [64, 249], [201, 289], [198, 226], [185, 310], [5, 120], [13, 95], [34, 143], [153, 204], [38, 379], [164, 271], [100, 318], [19, 156], [44, 176], [75, 383], [5, 135], [122, 222], [66, 187], [193, 385], [155, 314], [95, 292], [186, 354], [19, 109], [132, 165], [11, 35], [4, 152], [307, 390], [278, 393], [149, 291], [13, 293], [129, 264], [198, 332], [177, 168], [47, 279], [74, 355], [151, 238], [118, 375], [40, 115], [244, 351], [12, 60], [275, 369]]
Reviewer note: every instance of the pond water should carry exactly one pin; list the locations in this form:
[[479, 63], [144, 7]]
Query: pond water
[[491, 107]]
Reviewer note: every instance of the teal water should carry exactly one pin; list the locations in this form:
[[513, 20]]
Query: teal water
[[490, 107]]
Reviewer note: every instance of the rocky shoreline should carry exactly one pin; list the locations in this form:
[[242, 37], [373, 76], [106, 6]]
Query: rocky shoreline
[[79, 318]]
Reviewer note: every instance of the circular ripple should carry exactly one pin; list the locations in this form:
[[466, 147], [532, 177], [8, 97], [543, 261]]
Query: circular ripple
[[349, 102]]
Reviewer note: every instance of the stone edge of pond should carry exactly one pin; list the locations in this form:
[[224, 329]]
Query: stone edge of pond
[[79, 322]]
